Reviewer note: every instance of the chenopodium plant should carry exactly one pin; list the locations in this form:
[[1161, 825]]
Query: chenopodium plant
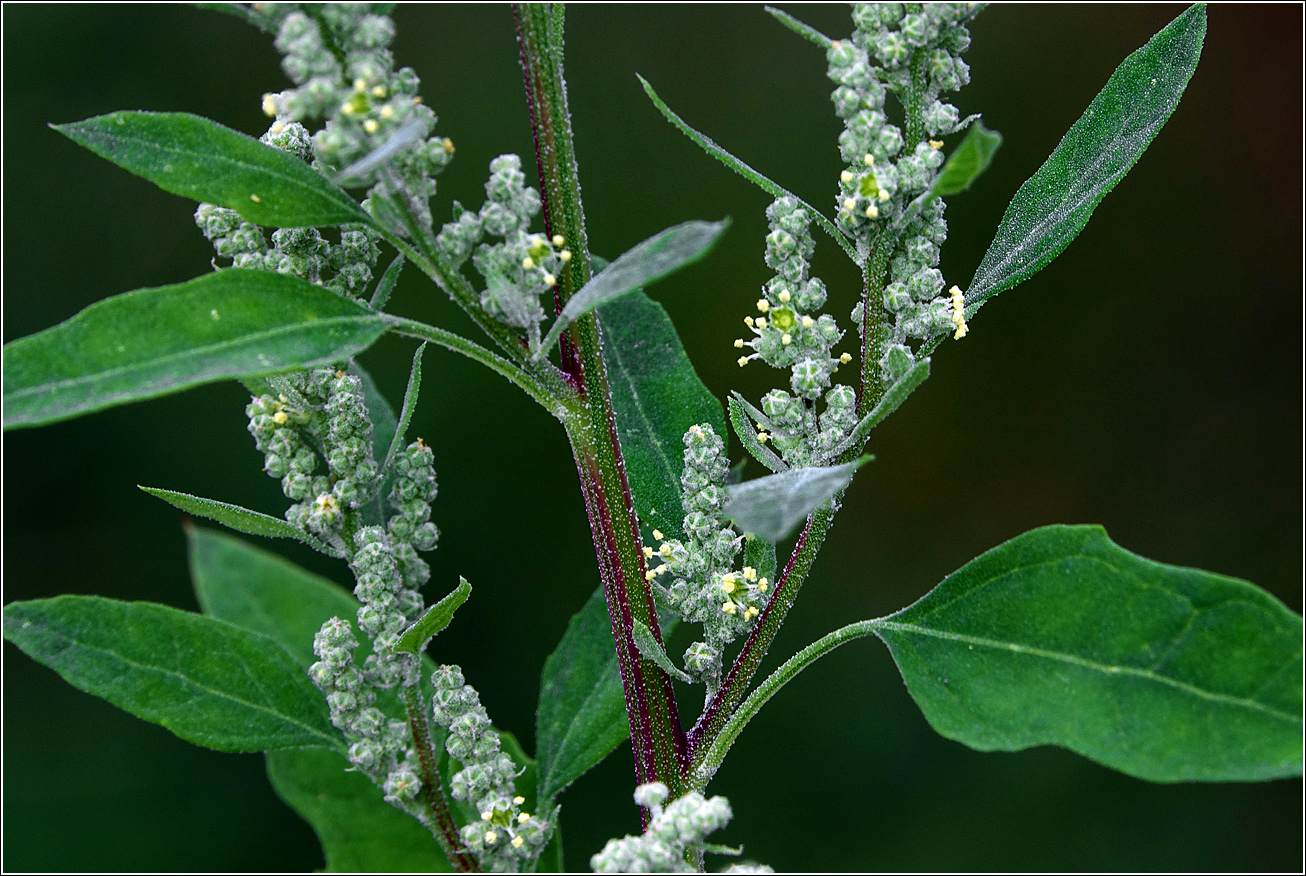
[[1057, 637]]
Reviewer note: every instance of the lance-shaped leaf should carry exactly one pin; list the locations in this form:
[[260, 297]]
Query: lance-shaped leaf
[[748, 437], [656, 397], [358, 830], [384, 426], [893, 397], [1054, 204], [967, 161], [197, 158], [208, 681], [1061, 637], [238, 518], [406, 412], [151, 342], [437, 617], [647, 262], [771, 507]]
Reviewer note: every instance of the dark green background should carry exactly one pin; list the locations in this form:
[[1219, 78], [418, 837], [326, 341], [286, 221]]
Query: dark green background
[[1149, 380]]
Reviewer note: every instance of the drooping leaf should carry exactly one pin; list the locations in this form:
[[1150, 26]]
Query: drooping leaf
[[967, 161], [771, 507], [208, 681], [262, 592], [197, 158], [656, 396], [1061, 637], [748, 437], [437, 617], [1054, 204], [151, 342], [649, 647], [582, 711], [236, 517], [358, 830], [647, 262], [893, 397]]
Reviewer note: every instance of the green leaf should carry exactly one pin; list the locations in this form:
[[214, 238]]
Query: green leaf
[[359, 831], [772, 188], [262, 592], [771, 507], [967, 161], [748, 437], [647, 262], [197, 158], [760, 554], [236, 517], [411, 393], [151, 342], [386, 285], [437, 617], [656, 396], [893, 397], [1061, 637], [1099, 149], [650, 648], [208, 681], [806, 31], [582, 711], [384, 426]]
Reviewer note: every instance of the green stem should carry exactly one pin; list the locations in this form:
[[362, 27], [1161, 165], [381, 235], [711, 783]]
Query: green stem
[[656, 734], [444, 828], [707, 764]]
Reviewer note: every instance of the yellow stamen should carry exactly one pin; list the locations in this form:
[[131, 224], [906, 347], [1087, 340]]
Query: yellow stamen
[[936, 144], [559, 240], [763, 305], [370, 126], [657, 535], [846, 176], [845, 358], [269, 105], [739, 343], [528, 263], [517, 842], [742, 360], [784, 296], [786, 339], [808, 322]]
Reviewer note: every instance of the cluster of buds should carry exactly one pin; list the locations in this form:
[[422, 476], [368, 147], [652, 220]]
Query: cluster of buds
[[788, 335], [679, 827], [344, 268], [506, 838], [912, 50], [522, 266], [706, 589]]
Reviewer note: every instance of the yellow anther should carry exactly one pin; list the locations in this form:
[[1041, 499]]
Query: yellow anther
[[387, 111], [958, 313], [549, 279], [762, 437], [739, 343], [491, 836], [761, 585], [517, 842], [750, 612], [657, 535], [872, 211], [447, 144], [524, 817], [786, 339], [784, 296], [728, 586], [665, 549], [845, 358], [750, 574], [742, 360], [761, 322], [519, 800], [269, 105], [378, 91], [278, 126], [371, 126], [256, 199], [868, 159], [360, 84], [559, 240], [846, 176], [849, 204], [748, 321], [661, 568], [763, 305], [883, 195], [648, 553], [936, 144], [487, 815], [346, 107], [565, 255], [418, 99], [280, 417], [728, 607], [528, 263], [808, 322], [650, 575]]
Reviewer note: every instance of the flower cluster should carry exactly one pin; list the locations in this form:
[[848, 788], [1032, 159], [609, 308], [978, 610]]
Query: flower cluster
[[506, 838], [522, 266], [344, 268], [706, 589], [788, 335], [680, 826], [913, 51]]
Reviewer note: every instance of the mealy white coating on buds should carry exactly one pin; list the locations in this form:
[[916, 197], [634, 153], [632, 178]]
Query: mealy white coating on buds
[[680, 826], [505, 839]]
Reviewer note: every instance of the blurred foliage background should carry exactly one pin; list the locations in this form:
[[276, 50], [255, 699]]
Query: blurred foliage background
[[1148, 380]]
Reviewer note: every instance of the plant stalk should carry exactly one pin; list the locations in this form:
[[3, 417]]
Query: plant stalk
[[437, 804]]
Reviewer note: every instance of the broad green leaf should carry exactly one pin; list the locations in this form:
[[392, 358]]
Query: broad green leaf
[[208, 681], [359, 831], [771, 507], [967, 161], [656, 396], [437, 617], [236, 517], [264, 593], [1061, 637], [649, 647], [893, 397], [1054, 204], [197, 158], [647, 262], [582, 711], [748, 437], [151, 342]]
